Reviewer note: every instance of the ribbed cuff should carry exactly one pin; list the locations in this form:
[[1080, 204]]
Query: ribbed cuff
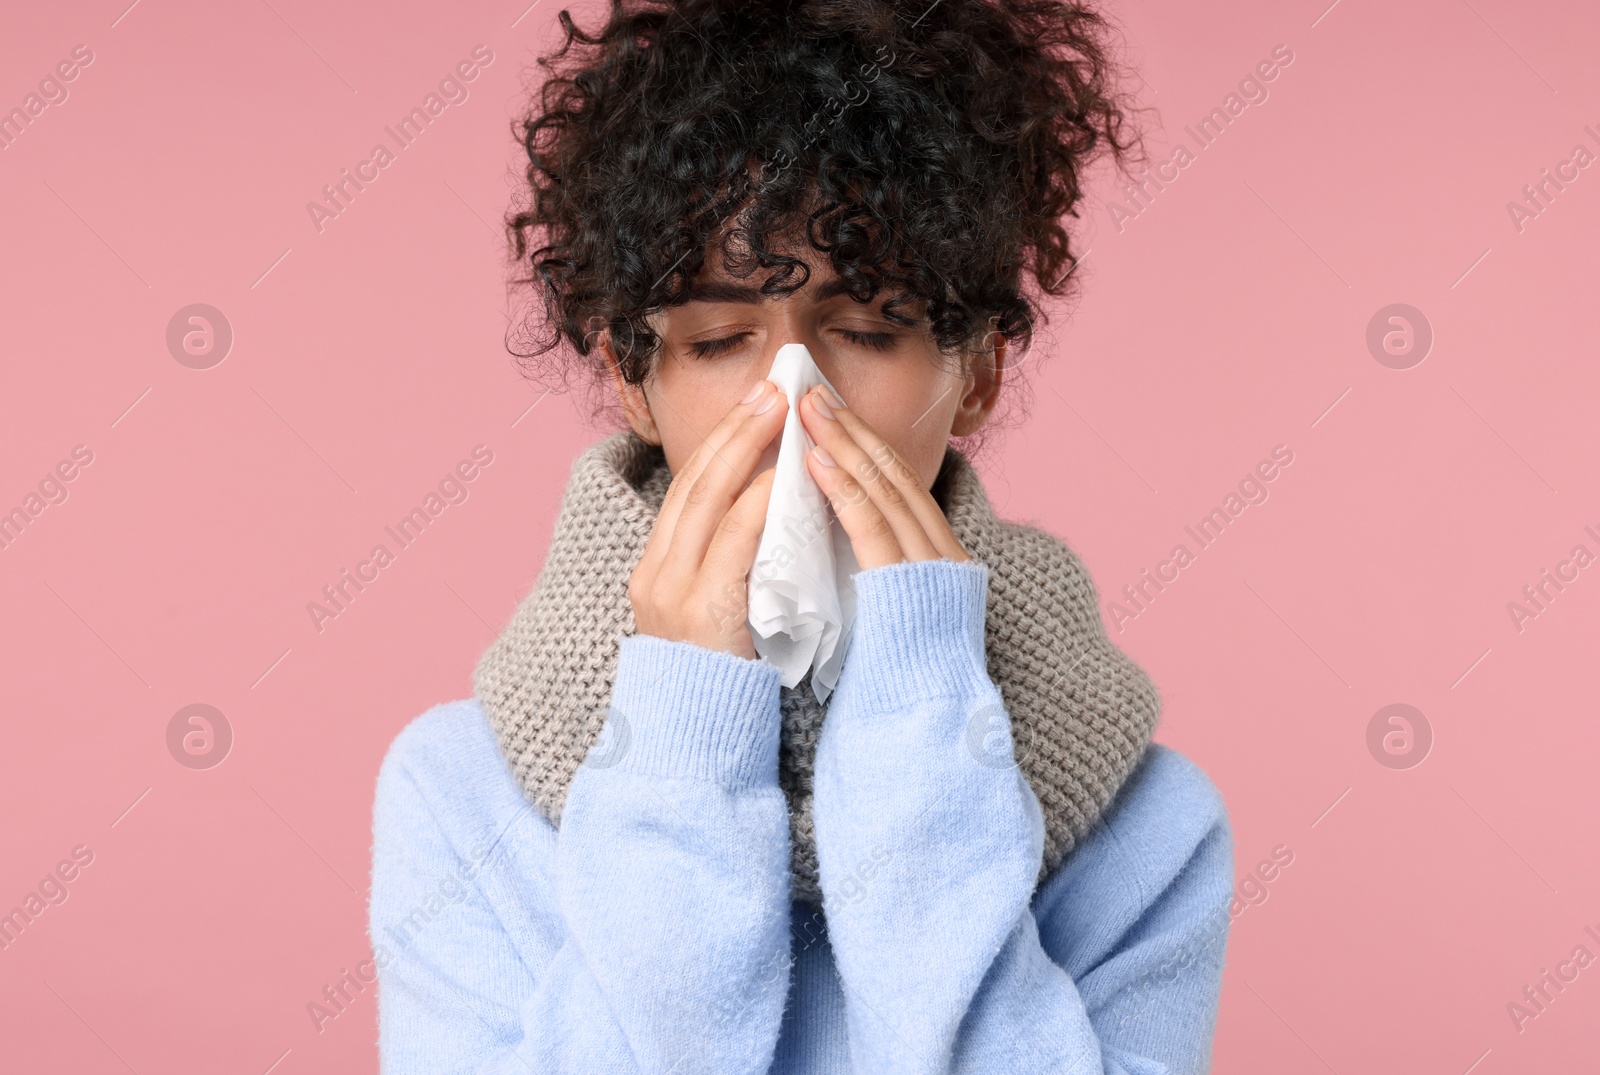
[[919, 631], [681, 710]]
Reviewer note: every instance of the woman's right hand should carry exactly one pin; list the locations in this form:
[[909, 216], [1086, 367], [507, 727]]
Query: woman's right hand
[[690, 585]]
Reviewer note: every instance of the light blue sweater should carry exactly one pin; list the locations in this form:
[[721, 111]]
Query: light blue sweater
[[654, 932]]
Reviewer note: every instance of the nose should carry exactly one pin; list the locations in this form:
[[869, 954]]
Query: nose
[[789, 327]]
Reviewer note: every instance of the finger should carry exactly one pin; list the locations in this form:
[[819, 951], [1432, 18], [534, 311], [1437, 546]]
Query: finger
[[662, 535], [726, 568], [903, 496], [872, 539], [721, 480], [895, 488]]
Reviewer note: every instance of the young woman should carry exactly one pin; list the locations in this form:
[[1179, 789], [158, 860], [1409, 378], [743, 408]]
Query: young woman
[[636, 849]]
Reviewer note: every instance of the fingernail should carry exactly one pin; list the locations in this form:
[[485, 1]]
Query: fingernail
[[823, 457], [768, 405], [820, 402], [755, 390]]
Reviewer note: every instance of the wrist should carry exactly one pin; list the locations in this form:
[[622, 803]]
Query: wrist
[[681, 710], [919, 631]]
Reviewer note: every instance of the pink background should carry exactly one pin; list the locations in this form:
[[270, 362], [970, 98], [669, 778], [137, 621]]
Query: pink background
[[1227, 318]]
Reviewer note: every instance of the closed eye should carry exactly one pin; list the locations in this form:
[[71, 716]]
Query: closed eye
[[706, 348], [878, 341]]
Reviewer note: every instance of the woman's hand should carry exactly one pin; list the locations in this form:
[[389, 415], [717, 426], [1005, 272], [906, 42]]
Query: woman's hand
[[890, 515], [690, 582]]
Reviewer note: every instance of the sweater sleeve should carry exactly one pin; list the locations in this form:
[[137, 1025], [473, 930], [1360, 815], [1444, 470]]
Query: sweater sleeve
[[652, 937], [929, 843]]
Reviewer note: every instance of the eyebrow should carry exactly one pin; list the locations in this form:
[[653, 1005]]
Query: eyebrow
[[727, 291]]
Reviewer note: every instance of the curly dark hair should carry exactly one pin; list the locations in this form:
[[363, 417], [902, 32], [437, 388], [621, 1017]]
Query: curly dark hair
[[931, 148]]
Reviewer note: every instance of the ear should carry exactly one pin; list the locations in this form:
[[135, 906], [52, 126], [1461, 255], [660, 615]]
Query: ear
[[632, 397], [982, 389]]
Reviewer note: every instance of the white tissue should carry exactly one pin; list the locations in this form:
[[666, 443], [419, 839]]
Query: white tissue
[[801, 602]]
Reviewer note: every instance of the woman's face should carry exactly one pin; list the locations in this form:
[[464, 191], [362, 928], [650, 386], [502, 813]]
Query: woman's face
[[717, 345]]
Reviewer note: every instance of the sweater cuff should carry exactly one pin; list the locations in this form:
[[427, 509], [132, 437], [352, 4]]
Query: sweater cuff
[[919, 631], [680, 710]]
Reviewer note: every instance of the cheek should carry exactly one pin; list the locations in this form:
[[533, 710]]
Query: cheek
[[688, 403], [912, 411]]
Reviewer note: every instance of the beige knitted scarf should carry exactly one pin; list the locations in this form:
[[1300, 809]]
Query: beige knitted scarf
[[1081, 711]]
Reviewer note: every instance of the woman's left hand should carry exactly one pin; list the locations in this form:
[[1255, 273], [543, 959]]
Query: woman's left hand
[[880, 500]]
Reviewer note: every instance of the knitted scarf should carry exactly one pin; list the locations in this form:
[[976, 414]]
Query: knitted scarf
[[1081, 711]]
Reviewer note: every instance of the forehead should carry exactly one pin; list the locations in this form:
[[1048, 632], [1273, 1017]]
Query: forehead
[[718, 281]]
